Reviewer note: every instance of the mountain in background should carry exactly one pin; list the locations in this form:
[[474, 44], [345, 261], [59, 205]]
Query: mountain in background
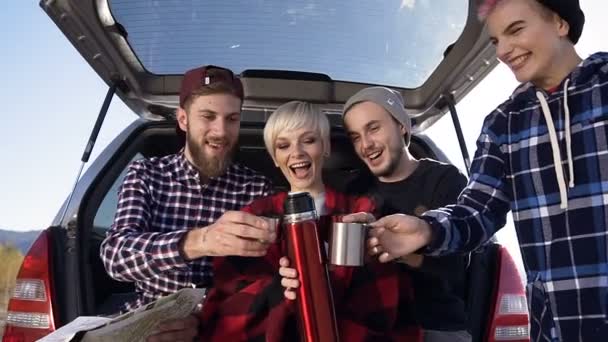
[[21, 240]]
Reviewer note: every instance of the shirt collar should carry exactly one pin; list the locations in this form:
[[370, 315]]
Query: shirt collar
[[185, 170]]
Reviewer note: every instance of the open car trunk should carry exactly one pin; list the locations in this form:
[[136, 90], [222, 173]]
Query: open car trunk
[[102, 295]]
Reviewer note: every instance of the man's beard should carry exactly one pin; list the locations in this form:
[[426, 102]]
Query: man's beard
[[395, 154], [209, 166]]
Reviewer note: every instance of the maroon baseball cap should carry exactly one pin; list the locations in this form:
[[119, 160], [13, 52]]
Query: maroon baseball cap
[[206, 76]]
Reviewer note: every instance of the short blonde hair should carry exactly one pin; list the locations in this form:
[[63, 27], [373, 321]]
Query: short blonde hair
[[295, 115]]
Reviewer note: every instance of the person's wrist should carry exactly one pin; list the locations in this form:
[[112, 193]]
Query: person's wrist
[[203, 242], [427, 236], [194, 244]]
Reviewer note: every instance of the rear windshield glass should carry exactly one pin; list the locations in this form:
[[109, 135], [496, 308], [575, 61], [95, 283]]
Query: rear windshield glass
[[397, 43]]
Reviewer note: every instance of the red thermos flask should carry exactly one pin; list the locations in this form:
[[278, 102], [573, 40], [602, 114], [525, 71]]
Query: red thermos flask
[[316, 314]]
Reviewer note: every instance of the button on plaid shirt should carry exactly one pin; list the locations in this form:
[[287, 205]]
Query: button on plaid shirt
[[159, 201]]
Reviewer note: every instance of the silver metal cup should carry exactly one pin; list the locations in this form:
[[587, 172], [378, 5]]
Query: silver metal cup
[[347, 244], [274, 222]]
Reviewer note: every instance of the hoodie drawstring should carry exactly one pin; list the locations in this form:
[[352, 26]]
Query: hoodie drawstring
[[557, 158], [568, 135]]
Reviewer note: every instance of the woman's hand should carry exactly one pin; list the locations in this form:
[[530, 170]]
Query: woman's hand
[[290, 279]]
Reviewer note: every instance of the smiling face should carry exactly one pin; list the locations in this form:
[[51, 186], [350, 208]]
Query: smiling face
[[377, 138], [299, 155], [297, 138], [529, 39], [211, 123]]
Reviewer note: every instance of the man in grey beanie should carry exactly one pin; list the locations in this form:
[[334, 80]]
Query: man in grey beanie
[[380, 130]]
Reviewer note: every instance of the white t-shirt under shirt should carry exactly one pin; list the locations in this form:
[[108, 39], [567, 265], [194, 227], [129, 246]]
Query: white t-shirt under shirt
[[321, 210], [320, 204]]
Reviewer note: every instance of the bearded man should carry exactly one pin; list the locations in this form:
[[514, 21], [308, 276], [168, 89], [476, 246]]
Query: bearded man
[[177, 211]]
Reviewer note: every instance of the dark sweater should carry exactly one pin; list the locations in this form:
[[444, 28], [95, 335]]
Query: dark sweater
[[439, 284]]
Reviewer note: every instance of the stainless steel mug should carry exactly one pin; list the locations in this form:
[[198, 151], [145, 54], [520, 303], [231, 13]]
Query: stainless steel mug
[[347, 244], [274, 221]]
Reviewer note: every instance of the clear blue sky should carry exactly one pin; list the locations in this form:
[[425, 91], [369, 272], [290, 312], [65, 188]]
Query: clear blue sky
[[51, 99]]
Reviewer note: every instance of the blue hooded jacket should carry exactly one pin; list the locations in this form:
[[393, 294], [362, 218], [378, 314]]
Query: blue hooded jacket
[[545, 158]]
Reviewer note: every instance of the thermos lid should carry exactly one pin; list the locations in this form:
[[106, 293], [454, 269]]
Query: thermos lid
[[298, 202]]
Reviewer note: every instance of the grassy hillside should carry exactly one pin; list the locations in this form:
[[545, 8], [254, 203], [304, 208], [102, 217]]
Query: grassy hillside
[[20, 239], [11, 261]]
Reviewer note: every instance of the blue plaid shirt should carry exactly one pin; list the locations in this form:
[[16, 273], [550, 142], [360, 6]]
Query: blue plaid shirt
[[559, 208], [159, 201]]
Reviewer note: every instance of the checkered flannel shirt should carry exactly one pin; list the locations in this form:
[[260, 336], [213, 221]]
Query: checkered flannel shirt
[[159, 201], [565, 250]]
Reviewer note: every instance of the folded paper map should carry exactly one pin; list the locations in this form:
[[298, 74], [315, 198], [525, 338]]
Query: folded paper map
[[133, 326]]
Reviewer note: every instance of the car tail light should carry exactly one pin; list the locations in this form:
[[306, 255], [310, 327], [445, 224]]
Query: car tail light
[[30, 311], [510, 320]]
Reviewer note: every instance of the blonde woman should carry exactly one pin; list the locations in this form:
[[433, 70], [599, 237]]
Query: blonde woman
[[247, 300]]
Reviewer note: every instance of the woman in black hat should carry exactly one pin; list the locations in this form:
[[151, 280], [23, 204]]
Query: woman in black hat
[[542, 154]]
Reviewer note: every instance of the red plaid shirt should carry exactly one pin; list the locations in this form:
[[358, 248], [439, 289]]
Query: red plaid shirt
[[373, 302]]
